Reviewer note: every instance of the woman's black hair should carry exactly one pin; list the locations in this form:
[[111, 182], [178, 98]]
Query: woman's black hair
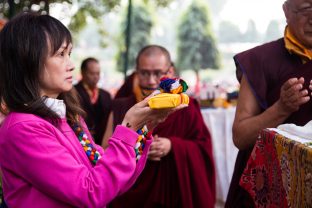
[[25, 43]]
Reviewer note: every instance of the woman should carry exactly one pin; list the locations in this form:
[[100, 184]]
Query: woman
[[43, 162]]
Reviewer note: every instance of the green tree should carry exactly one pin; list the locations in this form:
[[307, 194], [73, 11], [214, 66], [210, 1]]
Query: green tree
[[141, 24], [92, 8], [251, 34], [196, 43], [8, 8], [273, 31], [229, 32], [159, 3]]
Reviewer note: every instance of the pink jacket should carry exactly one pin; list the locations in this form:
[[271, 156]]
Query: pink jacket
[[45, 166]]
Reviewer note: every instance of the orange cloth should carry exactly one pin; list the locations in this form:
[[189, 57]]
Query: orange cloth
[[294, 46], [93, 93], [2, 23], [139, 93]]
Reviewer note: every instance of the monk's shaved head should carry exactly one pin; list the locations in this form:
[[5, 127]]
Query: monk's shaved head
[[153, 51]]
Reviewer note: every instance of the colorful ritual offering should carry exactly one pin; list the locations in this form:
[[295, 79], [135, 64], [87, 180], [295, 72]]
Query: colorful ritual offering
[[171, 94]]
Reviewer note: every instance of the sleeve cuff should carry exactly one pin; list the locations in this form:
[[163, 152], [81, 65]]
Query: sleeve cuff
[[125, 134]]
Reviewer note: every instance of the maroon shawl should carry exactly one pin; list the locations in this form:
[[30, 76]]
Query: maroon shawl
[[267, 67], [183, 178], [127, 88]]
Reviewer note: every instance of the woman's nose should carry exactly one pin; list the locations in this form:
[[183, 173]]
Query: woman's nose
[[70, 65]]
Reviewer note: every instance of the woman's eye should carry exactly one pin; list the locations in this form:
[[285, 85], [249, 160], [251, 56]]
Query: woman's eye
[[62, 53]]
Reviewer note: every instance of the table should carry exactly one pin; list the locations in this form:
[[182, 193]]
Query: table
[[219, 122], [279, 172]]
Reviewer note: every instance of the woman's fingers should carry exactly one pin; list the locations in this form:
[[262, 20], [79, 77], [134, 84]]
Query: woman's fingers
[[140, 114]]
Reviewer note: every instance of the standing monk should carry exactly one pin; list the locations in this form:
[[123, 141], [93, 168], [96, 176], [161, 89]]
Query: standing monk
[[275, 79], [95, 102], [180, 171]]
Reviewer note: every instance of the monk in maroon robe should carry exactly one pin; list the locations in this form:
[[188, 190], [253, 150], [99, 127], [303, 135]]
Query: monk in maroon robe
[[275, 82], [95, 102], [126, 89], [184, 175]]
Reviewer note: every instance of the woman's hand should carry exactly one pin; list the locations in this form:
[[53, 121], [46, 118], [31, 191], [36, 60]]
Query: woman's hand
[[141, 114]]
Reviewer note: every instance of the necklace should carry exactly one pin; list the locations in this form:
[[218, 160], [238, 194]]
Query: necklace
[[86, 144]]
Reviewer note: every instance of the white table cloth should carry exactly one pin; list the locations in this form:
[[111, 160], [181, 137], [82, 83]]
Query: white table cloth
[[219, 122]]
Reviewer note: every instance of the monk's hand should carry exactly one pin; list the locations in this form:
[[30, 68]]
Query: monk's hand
[[310, 86], [160, 147], [292, 95]]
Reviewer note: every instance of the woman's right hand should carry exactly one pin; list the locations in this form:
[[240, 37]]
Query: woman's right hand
[[141, 114]]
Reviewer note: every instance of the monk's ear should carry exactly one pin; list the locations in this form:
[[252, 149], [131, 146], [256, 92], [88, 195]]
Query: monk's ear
[[171, 72], [286, 11]]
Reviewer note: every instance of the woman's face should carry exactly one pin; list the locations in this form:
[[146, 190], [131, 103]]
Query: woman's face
[[57, 75]]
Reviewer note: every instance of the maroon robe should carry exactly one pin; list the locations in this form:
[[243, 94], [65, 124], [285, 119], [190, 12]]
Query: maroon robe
[[267, 68], [127, 88], [183, 178], [97, 113]]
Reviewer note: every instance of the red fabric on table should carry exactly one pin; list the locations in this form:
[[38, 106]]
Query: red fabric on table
[[262, 177]]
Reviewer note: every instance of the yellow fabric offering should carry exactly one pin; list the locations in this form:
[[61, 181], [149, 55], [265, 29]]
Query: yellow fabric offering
[[168, 100]]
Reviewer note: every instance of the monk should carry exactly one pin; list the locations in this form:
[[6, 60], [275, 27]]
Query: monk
[[126, 89], [275, 79], [180, 171], [95, 102]]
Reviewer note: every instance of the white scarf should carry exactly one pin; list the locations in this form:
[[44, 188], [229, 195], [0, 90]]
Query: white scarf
[[58, 106]]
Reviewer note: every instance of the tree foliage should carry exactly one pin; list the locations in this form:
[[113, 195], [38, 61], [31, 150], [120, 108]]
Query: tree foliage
[[159, 3], [141, 25], [92, 8], [251, 34], [41, 6], [229, 32], [196, 43], [273, 31]]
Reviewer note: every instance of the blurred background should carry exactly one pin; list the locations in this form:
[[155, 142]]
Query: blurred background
[[201, 35]]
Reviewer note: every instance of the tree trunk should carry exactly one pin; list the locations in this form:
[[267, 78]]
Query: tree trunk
[[128, 38], [11, 8]]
